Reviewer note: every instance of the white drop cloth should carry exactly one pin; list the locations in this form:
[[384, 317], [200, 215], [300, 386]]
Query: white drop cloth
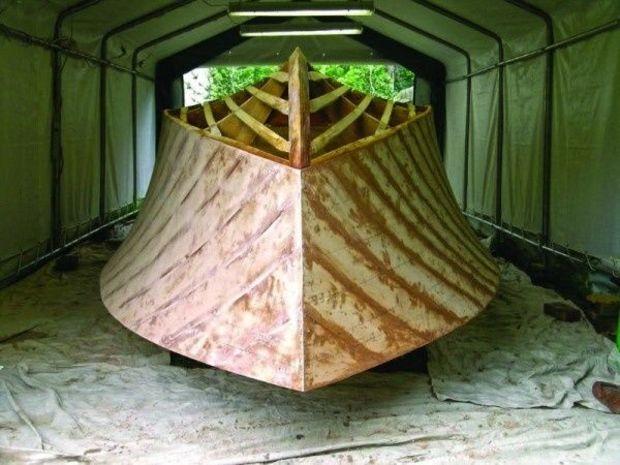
[[79, 388], [513, 355]]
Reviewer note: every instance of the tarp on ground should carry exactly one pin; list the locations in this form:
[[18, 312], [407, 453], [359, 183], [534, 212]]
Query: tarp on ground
[[76, 386]]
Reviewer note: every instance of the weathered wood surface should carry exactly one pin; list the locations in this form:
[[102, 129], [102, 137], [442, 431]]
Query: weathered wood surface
[[298, 277], [299, 115], [305, 270], [211, 265], [389, 263]]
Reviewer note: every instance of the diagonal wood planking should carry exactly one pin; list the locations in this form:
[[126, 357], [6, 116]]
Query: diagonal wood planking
[[388, 264], [298, 277], [209, 269]]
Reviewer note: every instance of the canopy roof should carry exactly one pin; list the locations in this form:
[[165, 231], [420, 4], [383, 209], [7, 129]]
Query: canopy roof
[[518, 24]]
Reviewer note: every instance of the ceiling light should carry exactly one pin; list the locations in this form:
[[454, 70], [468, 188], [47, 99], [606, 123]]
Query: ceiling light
[[275, 30], [344, 8]]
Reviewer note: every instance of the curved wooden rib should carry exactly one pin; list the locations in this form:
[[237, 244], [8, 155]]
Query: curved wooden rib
[[316, 76], [322, 101], [280, 76], [274, 102], [260, 129], [385, 118], [322, 140], [233, 127], [298, 277], [183, 114], [210, 119], [411, 109]]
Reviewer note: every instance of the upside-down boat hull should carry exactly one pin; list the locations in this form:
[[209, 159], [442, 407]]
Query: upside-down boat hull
[[298, 277]]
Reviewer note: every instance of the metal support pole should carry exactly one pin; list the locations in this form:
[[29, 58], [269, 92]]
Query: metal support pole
[[500, 106], [56, 128], [103, 95], [467, 56], [26, 38], [546, 185], [573, 255], [134, 135], [610, 26], [467, 129], [57, 251]]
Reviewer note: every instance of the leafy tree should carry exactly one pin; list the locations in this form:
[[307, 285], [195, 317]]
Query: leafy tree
[[384, 81], [230, 79], [380, 80]]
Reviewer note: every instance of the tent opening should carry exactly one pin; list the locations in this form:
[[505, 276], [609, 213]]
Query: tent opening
[[389, 81]]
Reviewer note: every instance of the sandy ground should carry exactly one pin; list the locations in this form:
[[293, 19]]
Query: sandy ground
[[76, 387]]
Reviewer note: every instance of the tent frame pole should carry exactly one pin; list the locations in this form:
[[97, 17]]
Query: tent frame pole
[[466, 54], [103, 95], [609, 26], [548, 130], [29, 39], [500, 104], [152, 43], [58, 251], [573, 255], [56, 124]]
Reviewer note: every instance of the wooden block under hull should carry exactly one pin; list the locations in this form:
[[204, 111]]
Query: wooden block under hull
[[298, 277]]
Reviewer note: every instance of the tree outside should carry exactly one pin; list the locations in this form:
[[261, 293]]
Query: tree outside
[[385, 81]]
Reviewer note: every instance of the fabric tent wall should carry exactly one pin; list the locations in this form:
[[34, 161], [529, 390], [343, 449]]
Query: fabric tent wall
[[25, 120], [146, 135], [80, 143], [25, 182], [585, 213], [583, 143], [275, 50], [25, 141], [119, 175]]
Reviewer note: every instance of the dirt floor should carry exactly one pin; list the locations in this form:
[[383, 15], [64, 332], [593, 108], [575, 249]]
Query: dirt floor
[[77, 387]]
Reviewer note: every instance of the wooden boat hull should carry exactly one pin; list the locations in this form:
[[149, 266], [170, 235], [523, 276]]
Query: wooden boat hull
[[298, 277]]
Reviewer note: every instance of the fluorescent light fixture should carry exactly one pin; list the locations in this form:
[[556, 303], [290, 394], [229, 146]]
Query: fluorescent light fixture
[[343, 8], [276, 30]]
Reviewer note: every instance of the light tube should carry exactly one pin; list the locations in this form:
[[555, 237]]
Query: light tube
[[278, 30], [345, 8]]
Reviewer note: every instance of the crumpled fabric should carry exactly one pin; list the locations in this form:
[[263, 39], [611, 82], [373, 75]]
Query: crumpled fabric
[[76, 387], [514, 356]]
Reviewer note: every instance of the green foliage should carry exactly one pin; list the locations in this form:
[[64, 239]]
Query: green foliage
[[227, 80], [381, 80]]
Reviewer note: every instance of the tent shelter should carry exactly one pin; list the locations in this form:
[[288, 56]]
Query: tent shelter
[[525, 93], [525, 97]]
